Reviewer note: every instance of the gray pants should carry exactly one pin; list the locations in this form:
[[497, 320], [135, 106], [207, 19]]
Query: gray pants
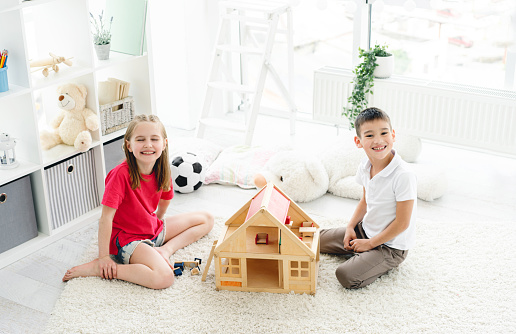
[[360, 269]]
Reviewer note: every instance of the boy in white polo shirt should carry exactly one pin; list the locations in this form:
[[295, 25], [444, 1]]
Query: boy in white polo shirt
[[382, 228]]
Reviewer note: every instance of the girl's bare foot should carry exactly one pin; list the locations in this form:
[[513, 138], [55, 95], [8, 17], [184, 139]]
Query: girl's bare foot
[[84, 270], [165, 255]]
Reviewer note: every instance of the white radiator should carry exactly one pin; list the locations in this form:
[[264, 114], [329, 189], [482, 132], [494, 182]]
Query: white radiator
[[456, 114]]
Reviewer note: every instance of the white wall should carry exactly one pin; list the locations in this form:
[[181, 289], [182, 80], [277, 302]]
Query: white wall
[[510, 71], [183, 34]]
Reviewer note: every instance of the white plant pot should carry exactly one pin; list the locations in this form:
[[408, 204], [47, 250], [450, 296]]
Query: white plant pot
[[385, 67], [102, 51]]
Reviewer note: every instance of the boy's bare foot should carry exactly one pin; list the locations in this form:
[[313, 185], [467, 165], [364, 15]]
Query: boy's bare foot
[[165, 255], [84, 270]]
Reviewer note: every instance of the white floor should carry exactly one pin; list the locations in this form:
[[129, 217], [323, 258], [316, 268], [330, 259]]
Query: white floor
[[481, 187]]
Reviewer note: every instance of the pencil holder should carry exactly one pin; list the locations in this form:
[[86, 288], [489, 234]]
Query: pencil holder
[[4, 83]]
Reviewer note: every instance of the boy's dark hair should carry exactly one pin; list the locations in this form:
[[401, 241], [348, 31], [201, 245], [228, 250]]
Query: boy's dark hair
[[368, 115]]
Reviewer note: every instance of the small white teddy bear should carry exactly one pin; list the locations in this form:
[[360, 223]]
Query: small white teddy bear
[[74, 123]]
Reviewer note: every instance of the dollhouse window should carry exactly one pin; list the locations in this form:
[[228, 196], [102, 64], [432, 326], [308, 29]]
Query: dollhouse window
[[299, 269], [230, 267]]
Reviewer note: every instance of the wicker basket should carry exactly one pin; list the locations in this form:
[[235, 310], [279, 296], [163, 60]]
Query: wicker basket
[[117, 115]]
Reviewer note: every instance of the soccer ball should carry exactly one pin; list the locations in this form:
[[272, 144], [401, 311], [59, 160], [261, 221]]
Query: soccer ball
[[187, 172]]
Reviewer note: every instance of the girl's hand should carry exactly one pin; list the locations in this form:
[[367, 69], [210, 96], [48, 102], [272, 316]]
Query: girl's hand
[[361, 245], [348, 237], [107, 267]]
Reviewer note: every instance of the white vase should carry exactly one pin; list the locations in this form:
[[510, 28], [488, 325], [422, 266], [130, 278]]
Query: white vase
[[102, 51], [385, 67]]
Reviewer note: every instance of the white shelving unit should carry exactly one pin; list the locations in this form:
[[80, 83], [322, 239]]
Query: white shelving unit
[[62, 27]]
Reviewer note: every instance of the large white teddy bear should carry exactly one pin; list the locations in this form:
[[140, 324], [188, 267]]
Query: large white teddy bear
[[306, 176], [74, 122], [300, 175]]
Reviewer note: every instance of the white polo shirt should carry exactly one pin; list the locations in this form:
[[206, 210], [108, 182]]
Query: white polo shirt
[[395, 183]]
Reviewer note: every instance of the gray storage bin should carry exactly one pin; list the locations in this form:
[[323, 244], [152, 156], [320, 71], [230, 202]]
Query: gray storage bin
[[17, 216], [72, 188], [113, 153]]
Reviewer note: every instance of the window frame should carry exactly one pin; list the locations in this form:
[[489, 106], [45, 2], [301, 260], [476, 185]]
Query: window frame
[[362, 28]]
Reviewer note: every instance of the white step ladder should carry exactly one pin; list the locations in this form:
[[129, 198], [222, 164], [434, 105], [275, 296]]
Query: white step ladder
[[250, 17]]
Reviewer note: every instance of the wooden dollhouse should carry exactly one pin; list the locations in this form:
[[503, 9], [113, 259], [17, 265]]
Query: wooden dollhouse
[[269, 245]]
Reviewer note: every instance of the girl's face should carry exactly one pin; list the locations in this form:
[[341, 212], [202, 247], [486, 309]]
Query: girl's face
[[146, 144]]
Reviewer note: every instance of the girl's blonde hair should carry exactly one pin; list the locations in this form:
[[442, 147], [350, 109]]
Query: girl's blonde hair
[[161, 168]]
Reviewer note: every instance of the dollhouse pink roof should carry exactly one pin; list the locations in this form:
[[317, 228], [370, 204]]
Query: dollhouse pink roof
[[278, 205], [274, 214]]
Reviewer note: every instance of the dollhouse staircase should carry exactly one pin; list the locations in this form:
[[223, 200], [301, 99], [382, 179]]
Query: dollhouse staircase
[[247, 22]]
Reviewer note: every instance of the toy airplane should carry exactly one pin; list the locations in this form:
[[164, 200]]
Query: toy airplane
[[45, 65]]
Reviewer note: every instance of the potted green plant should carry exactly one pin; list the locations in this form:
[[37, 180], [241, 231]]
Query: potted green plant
[[101, 35], [377, 62]]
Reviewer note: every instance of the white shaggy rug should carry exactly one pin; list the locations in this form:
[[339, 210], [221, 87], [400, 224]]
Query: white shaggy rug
[[461, 278]]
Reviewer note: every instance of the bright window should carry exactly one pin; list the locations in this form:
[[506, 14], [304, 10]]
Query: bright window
[[321, 38], [469, 42], [462, 42]]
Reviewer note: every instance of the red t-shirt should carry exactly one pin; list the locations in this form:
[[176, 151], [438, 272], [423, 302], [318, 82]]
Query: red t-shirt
[[134, 218]]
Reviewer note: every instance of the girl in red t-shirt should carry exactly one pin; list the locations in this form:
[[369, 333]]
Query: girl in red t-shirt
[[133, 227]]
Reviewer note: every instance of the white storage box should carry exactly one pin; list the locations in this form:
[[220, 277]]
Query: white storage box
[[72, 188]]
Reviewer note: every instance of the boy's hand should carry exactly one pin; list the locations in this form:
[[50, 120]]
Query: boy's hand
[[107, 267], [361, 245], [350, 235]]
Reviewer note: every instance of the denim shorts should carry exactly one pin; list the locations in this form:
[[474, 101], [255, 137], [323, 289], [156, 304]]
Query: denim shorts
[[125, 252]]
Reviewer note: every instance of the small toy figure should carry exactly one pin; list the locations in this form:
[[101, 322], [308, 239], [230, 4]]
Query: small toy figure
[[179, 266], [178, 271], [50, 63]]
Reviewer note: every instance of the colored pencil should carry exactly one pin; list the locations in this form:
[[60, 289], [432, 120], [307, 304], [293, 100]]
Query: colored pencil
[[3, 61]]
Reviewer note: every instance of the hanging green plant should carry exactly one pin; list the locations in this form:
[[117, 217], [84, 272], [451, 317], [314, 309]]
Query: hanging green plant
[[363, 81]]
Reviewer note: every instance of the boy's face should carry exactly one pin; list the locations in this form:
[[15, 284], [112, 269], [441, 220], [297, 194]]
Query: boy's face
[[376, 138]]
